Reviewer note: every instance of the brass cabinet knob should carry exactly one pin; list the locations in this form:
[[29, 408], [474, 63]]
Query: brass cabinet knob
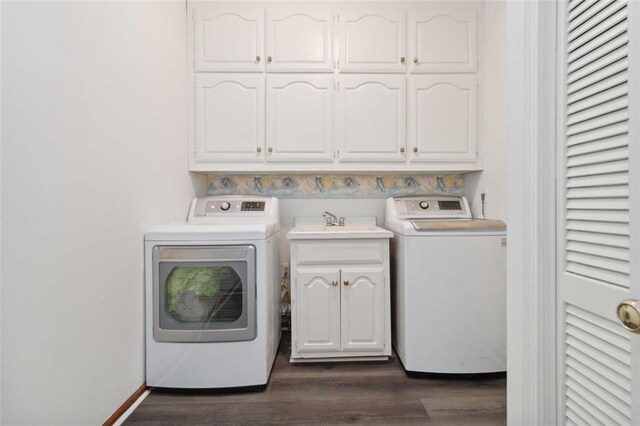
[[334, 283], [257, 58], [346, 282], [415, 60], [402, 149], [402, 59], [415, 149], [629, 315], [269, 59], [258, 149], [270, 149]]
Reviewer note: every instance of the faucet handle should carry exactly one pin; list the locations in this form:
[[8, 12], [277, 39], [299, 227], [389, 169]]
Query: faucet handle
[[341, 221]]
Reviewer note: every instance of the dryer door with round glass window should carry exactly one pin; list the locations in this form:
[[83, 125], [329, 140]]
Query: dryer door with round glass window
[[204, 293]]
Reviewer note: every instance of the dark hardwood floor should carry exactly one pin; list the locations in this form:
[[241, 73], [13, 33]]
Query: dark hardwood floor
[[335, 393]]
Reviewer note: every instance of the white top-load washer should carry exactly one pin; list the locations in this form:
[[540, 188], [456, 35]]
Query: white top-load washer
[[212, 295], [450, 286]]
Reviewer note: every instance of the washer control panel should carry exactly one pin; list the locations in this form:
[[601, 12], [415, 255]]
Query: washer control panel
[[432, 206]]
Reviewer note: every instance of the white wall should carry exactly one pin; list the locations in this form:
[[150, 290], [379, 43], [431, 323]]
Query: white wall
[[94, 152], [493, 179]]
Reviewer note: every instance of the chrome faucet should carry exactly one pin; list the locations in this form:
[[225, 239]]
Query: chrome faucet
[[332, 219]]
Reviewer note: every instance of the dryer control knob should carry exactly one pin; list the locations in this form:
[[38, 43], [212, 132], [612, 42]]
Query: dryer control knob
[[424, 205], [225, 206]]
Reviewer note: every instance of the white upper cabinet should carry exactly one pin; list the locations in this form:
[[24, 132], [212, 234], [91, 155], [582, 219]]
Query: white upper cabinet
[[372, 41], [443, 41], [229, 117], [299, 40], [228, 39], [371, 117], [443, 118], [299, 118]]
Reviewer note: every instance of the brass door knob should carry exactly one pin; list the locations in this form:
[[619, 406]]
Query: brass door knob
[[629, 315], [258, 149], [402, 59], [270, 149], [334, 283], [257, 58], [402, 149], [415, 149], [269, 59], [346, 282], [415, 60]]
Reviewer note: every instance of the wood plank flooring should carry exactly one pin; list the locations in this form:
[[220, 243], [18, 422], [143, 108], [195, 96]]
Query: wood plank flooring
[[335, 393]]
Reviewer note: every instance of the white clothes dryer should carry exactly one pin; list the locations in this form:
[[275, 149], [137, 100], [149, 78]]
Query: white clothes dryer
[[449, 286], [212, 296]]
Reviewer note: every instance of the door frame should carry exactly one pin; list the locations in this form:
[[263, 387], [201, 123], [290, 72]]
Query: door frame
[[531, 204]]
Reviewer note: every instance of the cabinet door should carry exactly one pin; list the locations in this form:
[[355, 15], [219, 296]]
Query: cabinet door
[[443, 41], [372, 41], [317, 310], [371, 117], [229, 117], [362, 309], [299, 118], [228, 39], [443, 118], [299, 40]]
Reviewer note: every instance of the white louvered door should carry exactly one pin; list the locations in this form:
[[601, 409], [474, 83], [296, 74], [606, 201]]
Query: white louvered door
[[598, 211]]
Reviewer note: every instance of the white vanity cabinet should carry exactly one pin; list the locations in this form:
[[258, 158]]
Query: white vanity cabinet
[[372, 40], [340, 299], [443, 41], [227, 38], [299, 39]]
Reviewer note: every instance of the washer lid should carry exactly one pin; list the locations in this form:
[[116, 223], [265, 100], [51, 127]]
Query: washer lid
[[458, 225]]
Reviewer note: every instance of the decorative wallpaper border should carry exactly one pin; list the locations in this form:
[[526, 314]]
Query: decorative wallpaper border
[[334, 186]]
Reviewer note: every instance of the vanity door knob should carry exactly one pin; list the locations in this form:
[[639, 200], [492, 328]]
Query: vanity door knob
[[334, 283], [269, 59], [346, 282], [270, 149], [402, 149], [415, 60], [258, 149], [415, 149], [257, 58], [402, 59]]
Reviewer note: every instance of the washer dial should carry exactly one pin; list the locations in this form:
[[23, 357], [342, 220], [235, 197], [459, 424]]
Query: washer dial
[[225, 205]]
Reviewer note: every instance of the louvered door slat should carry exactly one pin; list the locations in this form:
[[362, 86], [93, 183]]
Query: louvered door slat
[[597, 99], [598, 110], [599, 75], [578, 415], [620, 216], [603, 383], [595, 49], [597, 29], [580, 7], [596, 20], [607, 37], [588, 14], [597, 145], [606, 83], [609, 240], [598, 157]]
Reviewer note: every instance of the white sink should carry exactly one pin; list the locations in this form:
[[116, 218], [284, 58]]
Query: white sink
[[338, 232]]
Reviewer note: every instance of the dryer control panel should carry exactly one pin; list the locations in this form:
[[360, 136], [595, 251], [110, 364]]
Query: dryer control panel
[[204, 209], [432, 207]]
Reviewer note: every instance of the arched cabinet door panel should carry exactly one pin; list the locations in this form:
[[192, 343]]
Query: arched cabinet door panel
[[228, 39], [363, 309], [443, 41], [229, 117], [443, 118], [299, 118], [372, 41], [318, 310], [299, 40], [371, 118]]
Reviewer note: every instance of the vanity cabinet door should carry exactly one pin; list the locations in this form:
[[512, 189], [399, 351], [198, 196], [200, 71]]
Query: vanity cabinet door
[[371, 118], [228, 39], [299, 118], [362, 309], [317, 310], [299, 40], [229, 117], [372, 41], [443, 118], [443, 41]]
